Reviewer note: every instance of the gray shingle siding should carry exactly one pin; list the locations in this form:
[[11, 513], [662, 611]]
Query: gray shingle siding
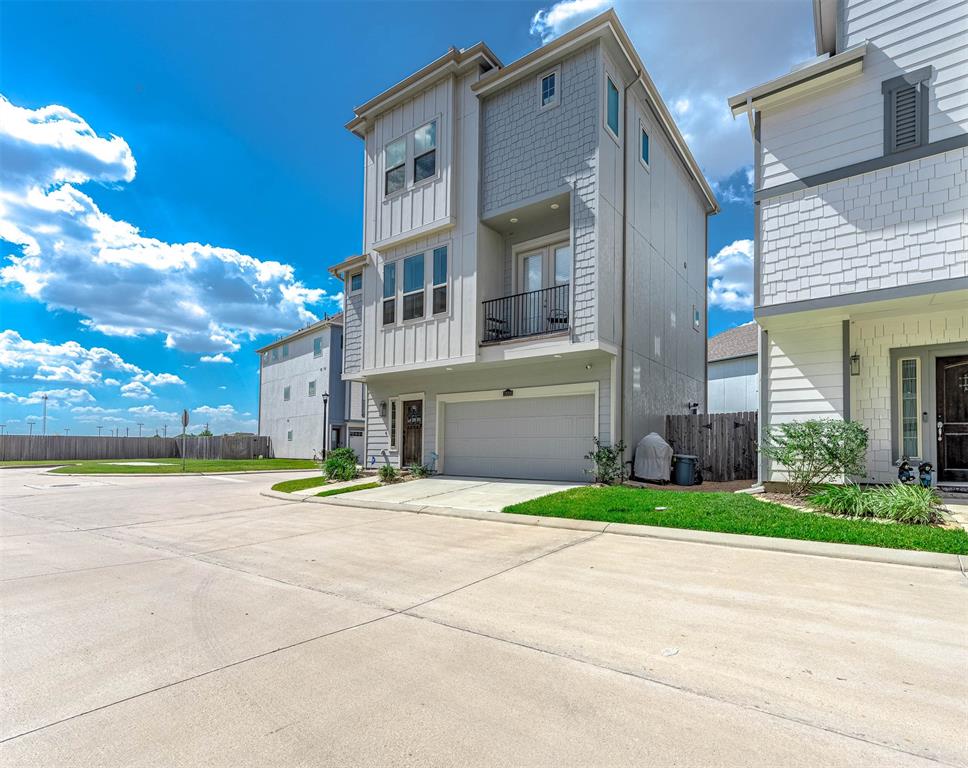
[[529, 153], [353, 333]]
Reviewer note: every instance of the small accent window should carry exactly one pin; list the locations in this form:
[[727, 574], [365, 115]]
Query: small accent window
[[312, 388], [318, 346], [425, 152], [395, 159], [440, 280], [275, 353], [644, 149], [356, 282], [286, 393], [289, 435], [389, 293], [285, 351], [393, 423], [906, 111], [413, 287], [696, 318], [548, 89], [909, 402], [612, 106]]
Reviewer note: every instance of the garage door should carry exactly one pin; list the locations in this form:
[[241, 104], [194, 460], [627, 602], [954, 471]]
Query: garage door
[[534, 438]]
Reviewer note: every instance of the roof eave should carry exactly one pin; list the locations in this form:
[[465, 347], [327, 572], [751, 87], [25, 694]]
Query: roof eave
[[337, 270]]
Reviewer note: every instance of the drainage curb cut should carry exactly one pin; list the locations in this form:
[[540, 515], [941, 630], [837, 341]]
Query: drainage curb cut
[[790, 546]]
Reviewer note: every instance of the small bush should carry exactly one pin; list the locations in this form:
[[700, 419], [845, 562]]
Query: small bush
[[388, 473], [340, 464], [912, 504], [609, 462], [811, 451], [850, 500], [419, 470]]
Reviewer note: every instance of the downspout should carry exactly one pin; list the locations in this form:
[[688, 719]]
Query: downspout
[[625, 229]]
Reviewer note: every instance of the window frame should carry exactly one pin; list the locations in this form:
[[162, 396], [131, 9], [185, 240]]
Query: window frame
[[351, 278], [616, 135], [556, 97], [643, 133], [387, 168], [919, 80], [311, 389], [412, 145], [404, 293], [918, 379], [391, 298], [317, 346], [444, 285]]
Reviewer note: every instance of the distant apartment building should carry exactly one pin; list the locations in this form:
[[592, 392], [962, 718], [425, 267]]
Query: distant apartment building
[[861, 249], [300, 385], [732, 378], [534, 260]]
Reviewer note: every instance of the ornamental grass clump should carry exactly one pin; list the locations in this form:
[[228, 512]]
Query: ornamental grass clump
[[847, 500], [912, 504], [341, 464]]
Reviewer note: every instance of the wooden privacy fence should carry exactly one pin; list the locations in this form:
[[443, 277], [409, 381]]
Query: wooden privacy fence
[[724, 442], [57, 447]]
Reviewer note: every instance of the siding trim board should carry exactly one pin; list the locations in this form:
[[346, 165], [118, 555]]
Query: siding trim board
[[864, 297], [865, 166]]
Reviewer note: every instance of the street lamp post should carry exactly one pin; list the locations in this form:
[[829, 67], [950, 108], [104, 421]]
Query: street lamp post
[[325, 423], [44, 398]]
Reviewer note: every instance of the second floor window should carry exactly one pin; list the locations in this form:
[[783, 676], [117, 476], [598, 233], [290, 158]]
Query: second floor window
[[318, 346], [275, 353], [413, 287], [395, 159], [425, 152], [285, 351], [389, 293], [356, 282], [548, 89], [286, 393], [440, 280], [312, 388], [612, 106]]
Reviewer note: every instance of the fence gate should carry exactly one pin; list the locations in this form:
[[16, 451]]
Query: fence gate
[[724, 442]]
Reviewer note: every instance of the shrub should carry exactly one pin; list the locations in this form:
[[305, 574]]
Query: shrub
[[913, 504], [388, 473], [811, 451], [340, 464], [849, 500], [609, 462], [419, 470]]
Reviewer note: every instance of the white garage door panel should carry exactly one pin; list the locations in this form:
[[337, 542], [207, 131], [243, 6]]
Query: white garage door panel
[[541, 438]]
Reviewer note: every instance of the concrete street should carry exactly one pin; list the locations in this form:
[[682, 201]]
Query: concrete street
[[188, 621]]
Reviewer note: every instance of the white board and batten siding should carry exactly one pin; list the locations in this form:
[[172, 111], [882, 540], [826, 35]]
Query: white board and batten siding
[[842, 125], [806, 374]]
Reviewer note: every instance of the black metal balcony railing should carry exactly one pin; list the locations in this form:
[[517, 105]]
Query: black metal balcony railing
[[526, 314]]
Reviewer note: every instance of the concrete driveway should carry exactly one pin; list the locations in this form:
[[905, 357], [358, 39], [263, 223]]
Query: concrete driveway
[[189, 621], [475, 493]]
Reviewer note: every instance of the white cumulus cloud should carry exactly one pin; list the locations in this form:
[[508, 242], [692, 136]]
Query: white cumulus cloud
[[731, 276], [74, 256], [219, 358], [136, 391]]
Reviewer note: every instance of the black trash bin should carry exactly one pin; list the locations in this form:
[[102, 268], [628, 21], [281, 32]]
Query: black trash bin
[[684, 469]]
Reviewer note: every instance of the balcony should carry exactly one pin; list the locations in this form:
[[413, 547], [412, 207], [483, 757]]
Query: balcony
[[524, 315]]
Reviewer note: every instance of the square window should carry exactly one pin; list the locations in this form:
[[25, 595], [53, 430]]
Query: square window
[[425, 152], [612, 106], [318, 346], [395, 162], [312, 389], [644, 150], [356, 282]]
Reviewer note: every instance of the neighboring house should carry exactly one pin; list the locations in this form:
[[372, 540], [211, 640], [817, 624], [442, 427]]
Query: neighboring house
[[505, 311], [296, 374], [861, 270], [731, 374]]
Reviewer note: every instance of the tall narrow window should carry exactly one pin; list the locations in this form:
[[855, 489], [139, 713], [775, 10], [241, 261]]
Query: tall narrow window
[[286, 393], [275, 353], [389, 293], [356, 282], [910, 407], [562, 264], [440, 280], [393, 423], [312, 388], [548, 89], [395, 160], [425, 152], [413, 287], [285, 351], [289, 436], [644, 149], [318, 346], [611, 106]]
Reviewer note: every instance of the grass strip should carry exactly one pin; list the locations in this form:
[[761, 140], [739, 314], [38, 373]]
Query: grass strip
[[349, 489], [174, 466], [735, 513]]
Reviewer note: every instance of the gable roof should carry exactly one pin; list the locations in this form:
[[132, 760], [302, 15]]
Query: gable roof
[[336, 319], [736, 342]]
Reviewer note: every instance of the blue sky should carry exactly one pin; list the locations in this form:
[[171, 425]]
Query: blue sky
[[131, 129]]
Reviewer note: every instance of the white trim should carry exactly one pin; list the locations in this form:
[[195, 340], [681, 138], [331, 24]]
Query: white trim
[[386, 170], [551, 390], [413, 153], [544, 243], [556, 98], [349, 280], [900, 406]]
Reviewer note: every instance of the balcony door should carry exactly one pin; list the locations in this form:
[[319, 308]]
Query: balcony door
[[543, 276]]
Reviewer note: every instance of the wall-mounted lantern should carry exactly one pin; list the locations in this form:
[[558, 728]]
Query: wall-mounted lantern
[[383, 408], [855, 364], [508, 393]]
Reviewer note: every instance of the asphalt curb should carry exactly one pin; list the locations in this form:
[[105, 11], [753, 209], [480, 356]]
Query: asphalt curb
[[909, 557]]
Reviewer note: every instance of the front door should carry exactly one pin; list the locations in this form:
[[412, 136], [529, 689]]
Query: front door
[[952, 425], [412, 432]]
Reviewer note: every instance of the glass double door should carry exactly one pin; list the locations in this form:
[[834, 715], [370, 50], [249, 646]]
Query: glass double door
[[543, 277]]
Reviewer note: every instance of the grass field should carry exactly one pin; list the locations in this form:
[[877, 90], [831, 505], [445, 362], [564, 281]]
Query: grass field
[[167, 466], [735, 513]]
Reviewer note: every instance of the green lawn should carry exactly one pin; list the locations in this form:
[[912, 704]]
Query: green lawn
[[735, 513], [337, 491], [168, 466]]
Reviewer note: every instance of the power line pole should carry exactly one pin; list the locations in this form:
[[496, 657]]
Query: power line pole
[[99, 428], [44, 398], [30, 425], [126, 431], [140, 425], [67, 431]]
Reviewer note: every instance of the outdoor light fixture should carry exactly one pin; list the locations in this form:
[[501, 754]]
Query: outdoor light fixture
[[514, 219], [555, 206], [383, 407], [855, 364], [508, 393]]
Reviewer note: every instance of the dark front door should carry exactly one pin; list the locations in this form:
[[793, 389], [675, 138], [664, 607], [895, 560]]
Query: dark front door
[[952, 423], [412, 432]]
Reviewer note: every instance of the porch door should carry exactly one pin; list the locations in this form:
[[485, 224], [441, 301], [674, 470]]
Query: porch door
[[412, 432], [952, 426], [528, 307]]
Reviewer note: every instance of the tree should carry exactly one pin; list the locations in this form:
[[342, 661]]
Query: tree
[[205, 432]]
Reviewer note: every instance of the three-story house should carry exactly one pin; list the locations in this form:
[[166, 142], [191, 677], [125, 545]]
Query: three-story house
[[861, 264], [533, 266]]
